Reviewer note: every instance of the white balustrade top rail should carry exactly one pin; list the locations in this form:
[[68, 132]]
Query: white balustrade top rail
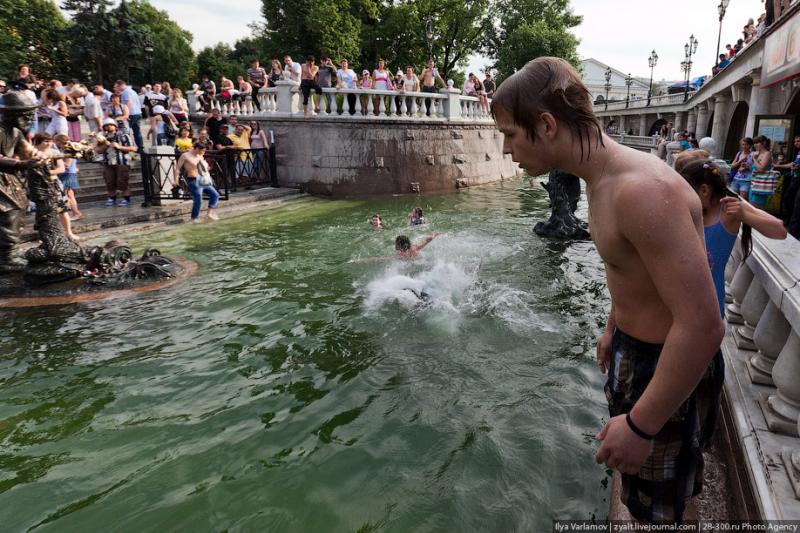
[[655, 101], [643, 140], [285, 101]]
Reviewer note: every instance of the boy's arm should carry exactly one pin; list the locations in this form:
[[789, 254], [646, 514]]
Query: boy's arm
[[425, 241], [674, 256]]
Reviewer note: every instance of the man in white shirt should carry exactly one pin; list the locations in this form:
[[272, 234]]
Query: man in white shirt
[[346, 78], [130, 98], [291, 70], [93, 112]]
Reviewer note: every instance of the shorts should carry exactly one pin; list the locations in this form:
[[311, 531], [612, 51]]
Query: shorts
[[740, 186], [69, 180], [759, 200], [673, 472], [116, 177]]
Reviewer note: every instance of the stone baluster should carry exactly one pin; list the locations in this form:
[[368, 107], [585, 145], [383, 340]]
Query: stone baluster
[[346, 105], [437, 107], [358, 105], [791, 461], [770, 337], [370, 106], [393, 106], [335, 103], [404, 107], [753, 305], [730, 270], [782, 409], [741, 282]]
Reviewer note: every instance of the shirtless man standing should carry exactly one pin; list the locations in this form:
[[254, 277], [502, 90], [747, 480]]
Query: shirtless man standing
[[661, 344], [198, 178], [430, 75]]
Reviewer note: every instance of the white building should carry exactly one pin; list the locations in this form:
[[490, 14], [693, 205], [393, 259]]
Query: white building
[[593, 73]]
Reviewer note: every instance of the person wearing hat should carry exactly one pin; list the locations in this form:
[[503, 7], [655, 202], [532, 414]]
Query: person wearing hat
[[163, 126], [115, 146], [17, 110]]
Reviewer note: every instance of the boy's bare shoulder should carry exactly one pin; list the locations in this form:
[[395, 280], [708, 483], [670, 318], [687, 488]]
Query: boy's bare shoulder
[[652, 188]]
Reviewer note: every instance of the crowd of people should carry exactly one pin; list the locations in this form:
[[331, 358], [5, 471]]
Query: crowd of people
[[313, 77], [773, 10]]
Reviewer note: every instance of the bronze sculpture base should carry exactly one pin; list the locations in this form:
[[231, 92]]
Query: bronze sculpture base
[[15, 293]]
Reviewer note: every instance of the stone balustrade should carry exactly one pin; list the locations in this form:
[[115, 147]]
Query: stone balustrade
[[655, 101], [285, 101], [762, 379]]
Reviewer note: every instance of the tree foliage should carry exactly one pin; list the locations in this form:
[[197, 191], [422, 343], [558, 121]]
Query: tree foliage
[[217, 60], [32, 32], [528, 29]]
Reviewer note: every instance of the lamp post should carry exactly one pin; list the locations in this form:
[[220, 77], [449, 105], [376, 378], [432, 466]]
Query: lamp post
[[689, 49], [723, 5], [652, 60], [608, 84], [148, 50], [628, 82], [429, 35]]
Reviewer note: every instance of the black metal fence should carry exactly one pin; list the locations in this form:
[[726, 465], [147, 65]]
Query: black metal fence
[[231, 170]]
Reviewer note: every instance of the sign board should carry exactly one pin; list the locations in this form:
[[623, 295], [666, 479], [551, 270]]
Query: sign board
[[782, 53]]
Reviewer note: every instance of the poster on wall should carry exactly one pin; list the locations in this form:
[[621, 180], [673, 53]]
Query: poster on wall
[[782, 54]]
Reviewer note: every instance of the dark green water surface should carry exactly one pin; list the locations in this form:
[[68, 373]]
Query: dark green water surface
[[286, 389]]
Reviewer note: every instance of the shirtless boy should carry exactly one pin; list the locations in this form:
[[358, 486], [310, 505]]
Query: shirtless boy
[[405, 250], [430, 75], [197, 169], [308, 82], [661, 344]]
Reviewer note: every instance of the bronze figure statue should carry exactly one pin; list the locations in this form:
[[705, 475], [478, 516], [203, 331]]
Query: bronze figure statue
[[565, 191]]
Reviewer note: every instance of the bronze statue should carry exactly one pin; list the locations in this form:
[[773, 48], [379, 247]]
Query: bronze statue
[[565, 191], [59, 264], [16, 156]]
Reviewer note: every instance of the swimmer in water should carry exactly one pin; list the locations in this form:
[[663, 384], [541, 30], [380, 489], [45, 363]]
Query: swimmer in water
[[415, 217], [376, 221], [405, 250]]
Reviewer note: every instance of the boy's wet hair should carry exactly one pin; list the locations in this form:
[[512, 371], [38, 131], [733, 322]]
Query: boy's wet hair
[[550, 85], [402, 243]]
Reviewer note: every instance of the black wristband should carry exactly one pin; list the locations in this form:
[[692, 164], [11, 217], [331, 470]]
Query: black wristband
[[636, 430]]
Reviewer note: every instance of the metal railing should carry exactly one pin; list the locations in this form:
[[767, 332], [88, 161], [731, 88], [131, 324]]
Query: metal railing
[[231, 170]]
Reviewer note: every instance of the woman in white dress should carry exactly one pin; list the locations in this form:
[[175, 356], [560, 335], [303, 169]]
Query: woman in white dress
[[58, 111]]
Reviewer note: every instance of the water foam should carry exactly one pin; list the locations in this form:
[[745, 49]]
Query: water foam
[[444, 286]]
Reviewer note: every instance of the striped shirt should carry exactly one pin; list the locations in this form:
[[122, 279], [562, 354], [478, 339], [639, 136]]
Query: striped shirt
[[114, 157], [257, 75]]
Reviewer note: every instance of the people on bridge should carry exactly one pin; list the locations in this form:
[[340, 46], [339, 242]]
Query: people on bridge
[[661, 344]]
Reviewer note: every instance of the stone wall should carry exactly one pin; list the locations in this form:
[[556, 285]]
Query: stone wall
[[341, 159]]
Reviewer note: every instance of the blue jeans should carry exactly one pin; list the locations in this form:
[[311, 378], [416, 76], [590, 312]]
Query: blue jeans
[[197, 197], [136, 126]]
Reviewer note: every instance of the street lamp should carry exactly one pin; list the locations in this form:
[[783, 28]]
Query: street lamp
[[689, 49], [148, 50], [429, 35], [608, 84], [652, 60], [723, 5], [628, 82]]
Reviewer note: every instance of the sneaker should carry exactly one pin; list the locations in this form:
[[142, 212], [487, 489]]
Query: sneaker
[[124, 202], [110, 202]]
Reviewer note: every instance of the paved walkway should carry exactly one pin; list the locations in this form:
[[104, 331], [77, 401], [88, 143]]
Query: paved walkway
[[97, 217]]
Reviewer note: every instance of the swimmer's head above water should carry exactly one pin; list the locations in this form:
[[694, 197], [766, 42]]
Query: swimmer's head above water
[[402, 243]]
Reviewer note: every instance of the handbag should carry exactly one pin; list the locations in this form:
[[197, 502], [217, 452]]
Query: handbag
[[764, 182], [204, 180]]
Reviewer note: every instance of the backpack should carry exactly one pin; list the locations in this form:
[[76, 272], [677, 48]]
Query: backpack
[[169, 129]]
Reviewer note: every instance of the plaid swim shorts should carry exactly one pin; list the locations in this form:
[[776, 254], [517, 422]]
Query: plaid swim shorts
[[673, 472]]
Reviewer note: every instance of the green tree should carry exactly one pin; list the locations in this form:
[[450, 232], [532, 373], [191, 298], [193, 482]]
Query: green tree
[[172, 58], [216, 61], [33, 33], [527, 29], [91, 32]]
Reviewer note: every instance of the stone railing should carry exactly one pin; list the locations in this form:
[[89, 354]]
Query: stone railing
[[665, 99], [762, 378], [285, 101]]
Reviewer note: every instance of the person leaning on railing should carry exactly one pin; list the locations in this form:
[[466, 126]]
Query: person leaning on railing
[[346, 78]]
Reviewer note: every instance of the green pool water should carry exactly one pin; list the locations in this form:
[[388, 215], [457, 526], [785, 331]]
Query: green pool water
[[284, 388]]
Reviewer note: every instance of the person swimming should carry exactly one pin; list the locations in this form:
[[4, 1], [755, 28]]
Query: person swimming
[[415, 217], [405, 250], [376, 222]]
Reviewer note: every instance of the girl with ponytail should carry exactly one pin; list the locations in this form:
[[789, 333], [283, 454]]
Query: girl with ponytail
[[724, 214]]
